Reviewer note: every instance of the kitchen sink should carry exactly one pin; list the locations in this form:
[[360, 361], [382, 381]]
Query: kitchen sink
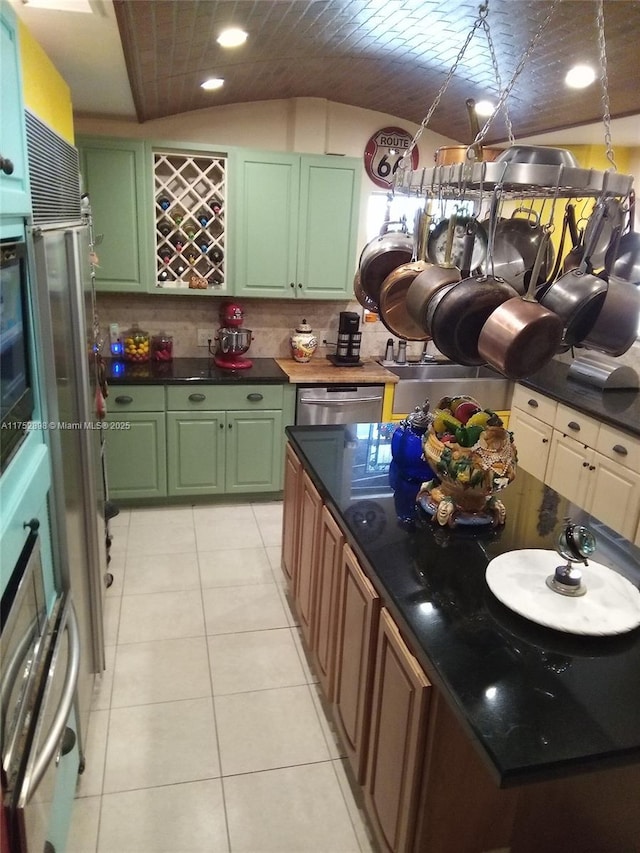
[[434, 380]]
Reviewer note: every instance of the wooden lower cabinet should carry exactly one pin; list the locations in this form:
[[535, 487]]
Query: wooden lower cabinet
[[399, 712], [358, 609], [291, 513], [305, 584], [325, 611]]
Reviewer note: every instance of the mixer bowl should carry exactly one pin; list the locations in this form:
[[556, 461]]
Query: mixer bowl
[[236, 341]]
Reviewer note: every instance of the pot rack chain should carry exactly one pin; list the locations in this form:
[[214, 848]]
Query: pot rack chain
[[606, 111], [504, 94], [406, 158], [496, 71]]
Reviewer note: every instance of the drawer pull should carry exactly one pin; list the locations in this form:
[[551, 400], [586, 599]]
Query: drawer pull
[[574, 426], [585, 464], [255, 397], [292, 284], [592, 467], [621, 449], [545, 441], [533, 403], [124, 399], [197, 398]]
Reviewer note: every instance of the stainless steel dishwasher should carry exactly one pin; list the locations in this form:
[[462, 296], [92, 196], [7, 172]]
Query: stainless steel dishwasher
[[339, 404]]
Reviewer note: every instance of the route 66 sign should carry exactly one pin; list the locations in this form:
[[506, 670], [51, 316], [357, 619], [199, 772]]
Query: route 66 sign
[[384, 151]]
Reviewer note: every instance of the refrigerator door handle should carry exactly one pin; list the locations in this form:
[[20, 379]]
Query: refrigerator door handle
[[67, 697]]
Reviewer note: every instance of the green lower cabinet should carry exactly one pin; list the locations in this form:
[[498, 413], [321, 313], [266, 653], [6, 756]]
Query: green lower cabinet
[[195, 452], [136, 456], [254, 452], [224, 452]]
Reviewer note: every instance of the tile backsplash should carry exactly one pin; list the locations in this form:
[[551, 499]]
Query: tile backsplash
[[271, 321]]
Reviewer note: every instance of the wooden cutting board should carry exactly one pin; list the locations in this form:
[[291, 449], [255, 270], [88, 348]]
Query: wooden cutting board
[[321, 371]]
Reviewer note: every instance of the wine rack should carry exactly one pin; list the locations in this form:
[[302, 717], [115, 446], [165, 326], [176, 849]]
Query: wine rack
[[190, 196]]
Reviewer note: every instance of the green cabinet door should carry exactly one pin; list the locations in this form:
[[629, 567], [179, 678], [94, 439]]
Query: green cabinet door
[[136, 456], [117, 176], [328, 223], [265, 193], [296, 220], [14, 179], [195, 453], [254, 457]]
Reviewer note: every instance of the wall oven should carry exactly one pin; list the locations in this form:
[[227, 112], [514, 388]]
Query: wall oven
[[40, 656]]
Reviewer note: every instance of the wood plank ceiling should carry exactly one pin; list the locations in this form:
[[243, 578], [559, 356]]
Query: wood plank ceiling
[[386, 55]]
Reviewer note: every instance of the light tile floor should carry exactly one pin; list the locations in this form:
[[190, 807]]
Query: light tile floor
[[207, 732]]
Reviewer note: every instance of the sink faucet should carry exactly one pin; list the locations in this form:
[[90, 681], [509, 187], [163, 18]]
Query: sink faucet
[[426, 356]]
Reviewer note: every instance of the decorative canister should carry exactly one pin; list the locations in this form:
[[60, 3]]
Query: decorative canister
[[303, 343], [406, 445], [162, 347]]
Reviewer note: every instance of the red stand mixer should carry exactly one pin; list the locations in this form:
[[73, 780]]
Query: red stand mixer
[[233, 341]]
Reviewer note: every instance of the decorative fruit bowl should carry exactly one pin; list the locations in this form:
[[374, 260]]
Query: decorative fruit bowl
[[473, 456]]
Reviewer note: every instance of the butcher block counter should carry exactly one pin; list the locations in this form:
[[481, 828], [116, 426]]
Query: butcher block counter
[[322, 371]]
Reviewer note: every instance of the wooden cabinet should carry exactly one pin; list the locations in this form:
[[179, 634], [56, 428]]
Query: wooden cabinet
[[397, 739], [14, 176], [291, 514], [136, 443], [358, 608], [305, 585], [325, 614], [295, 226], [116, 175]]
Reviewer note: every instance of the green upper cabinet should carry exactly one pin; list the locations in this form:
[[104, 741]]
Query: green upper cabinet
[[14, 177], [117, 176], [296, 219]]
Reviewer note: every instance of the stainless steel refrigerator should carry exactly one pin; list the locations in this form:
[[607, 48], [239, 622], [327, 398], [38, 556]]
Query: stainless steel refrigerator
[[66, 309]]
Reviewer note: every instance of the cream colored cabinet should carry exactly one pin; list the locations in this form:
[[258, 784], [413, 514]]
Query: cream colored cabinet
[[532, 439], [568, 468]]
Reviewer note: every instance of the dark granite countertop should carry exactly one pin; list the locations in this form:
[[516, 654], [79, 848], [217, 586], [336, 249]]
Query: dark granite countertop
[[618, 408], [199, 371], [539, 703]]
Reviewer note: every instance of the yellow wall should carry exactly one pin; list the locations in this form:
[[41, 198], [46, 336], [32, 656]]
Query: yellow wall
[[45, 92]]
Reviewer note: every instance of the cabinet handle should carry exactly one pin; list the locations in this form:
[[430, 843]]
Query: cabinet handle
[[221, 426], [229, 426], [254, 397], [197, 398], [124, 399], [533, 403], [585, 464], [592, 467], [300, 285], [6, 165], [292, 284], [621, 449], [33, 524], [545, 441], [574, 426]]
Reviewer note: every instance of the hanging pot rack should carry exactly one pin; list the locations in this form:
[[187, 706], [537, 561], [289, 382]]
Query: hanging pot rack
[[515, 180]]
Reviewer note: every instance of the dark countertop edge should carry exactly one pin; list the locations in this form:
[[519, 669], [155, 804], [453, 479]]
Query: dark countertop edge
[[618, 408], [503, 778], [265, 371]]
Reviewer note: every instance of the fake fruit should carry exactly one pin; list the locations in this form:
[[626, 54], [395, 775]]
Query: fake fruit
[[136, 344], [465, 410]]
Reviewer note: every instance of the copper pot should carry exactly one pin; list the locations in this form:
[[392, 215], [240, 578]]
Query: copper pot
[[447, 155], [393, 302]]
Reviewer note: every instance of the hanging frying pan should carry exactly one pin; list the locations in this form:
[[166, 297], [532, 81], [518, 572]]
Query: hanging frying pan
[[616, 327], [624, 261], [429, 281], [437, 243], [577, 296], [515, 248], [361, 296], [521, 336], [382, 255], [611, 222]]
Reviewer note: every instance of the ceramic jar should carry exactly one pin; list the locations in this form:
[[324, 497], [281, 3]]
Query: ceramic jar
[[303, 343]]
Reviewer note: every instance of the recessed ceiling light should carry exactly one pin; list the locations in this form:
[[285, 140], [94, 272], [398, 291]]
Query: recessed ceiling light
[[232, 37], [580, 76], [484, 108], [212, 83]]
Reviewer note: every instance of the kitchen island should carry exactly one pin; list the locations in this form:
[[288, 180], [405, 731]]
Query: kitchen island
[[538, 727]]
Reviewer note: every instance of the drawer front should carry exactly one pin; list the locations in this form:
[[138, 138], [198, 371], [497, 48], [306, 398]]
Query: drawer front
[[219, 397], [135, 398], [620, 446], [541, 407], [581, 427]]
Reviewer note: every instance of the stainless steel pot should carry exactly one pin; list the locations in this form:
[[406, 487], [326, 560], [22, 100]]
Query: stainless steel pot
[[538, 155], [380, 257], [235, 341], [516, 246], [623, 260]]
